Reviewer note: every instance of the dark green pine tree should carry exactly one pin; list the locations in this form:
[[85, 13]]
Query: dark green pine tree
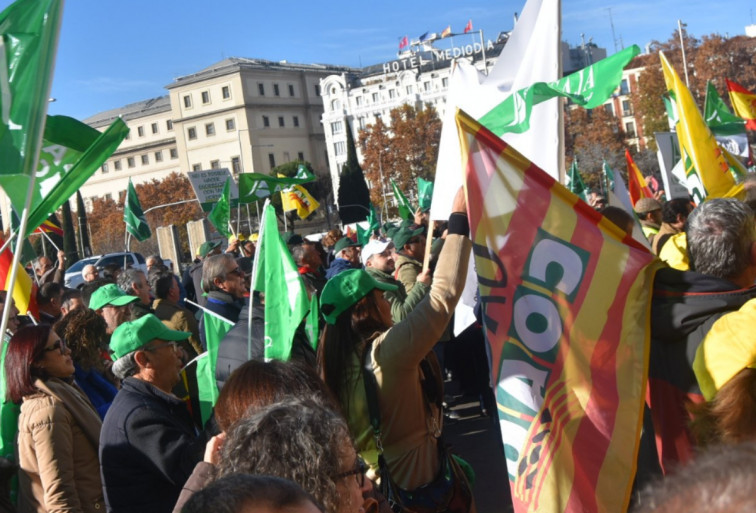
[[69, 236], [353, 195], [86, 248]]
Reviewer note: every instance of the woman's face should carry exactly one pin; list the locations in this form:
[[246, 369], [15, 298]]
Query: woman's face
[[352, 483], [56, 358]]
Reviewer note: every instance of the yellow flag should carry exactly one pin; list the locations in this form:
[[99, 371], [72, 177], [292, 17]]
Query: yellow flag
[[705, 165], [297, 198]]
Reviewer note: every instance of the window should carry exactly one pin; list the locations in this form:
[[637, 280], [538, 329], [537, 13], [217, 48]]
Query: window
[[272, 160], [128, 135], [426, 86], [287, 156], [154, 128], [158, 156], [291, 90], [169, 125], [210, 129], [174, 153], [117, 165], [188, 101], [145, 160], [281, 121], [205, 97], [626, 108], [300, 156], [235, 165], [108, 196], [295, 120], [358, 101], [196, 167], [105, 167], [392, 93], [230, 124], [445, 82], [140, 131], [339, 148], [131, 162], [226, 92], [361, 123], [375, 97], [624, 87], [317, 90], [276, 92], [410, 89], [261, 88], [609, 108], [266, 121], [191, 133], [335, 105], [630, 129], [215, 164], [337, 127]]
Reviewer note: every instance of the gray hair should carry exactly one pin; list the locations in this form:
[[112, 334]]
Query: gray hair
[[298, 253], [127, 278], [214, 267], [126, 366], [720, 234]]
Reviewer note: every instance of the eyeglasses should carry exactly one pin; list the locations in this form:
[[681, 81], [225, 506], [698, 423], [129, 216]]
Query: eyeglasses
[[59, 346], [173, 345], [360, 467]]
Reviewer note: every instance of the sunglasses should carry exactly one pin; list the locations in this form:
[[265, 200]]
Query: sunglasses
[[173, 345], [59, 346], [360, 467]]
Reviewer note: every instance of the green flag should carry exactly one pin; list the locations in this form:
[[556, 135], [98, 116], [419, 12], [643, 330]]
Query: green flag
[[276, 275], [216, 328], [424, 193], [220, 215], [405, 209], [312, 324], [363, 235], [29, 31], [133, 216], [71, 152], [718, 117], [575, 182], [589, 88], [256, 186]]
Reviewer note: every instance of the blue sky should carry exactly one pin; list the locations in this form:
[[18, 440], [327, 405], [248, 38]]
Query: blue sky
[[112, 53]]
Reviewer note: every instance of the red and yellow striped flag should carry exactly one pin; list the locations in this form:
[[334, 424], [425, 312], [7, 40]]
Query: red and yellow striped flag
[[566, 298], [49, 226], [743, 103], [636, 183]]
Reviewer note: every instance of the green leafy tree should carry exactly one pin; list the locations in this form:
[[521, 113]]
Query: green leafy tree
[[353, 195]]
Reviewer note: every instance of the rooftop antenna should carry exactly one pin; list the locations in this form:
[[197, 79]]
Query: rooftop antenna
[[614, 35]]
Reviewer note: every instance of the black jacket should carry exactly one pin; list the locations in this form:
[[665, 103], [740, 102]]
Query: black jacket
[[685, 305], [222, 304], [234, 350], [148, 448]]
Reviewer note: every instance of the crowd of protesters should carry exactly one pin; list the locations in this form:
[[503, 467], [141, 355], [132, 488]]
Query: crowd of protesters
[[92, 409]]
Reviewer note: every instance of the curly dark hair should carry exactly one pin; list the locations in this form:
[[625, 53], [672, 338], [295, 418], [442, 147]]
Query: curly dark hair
[[84, 332], [297, 439]]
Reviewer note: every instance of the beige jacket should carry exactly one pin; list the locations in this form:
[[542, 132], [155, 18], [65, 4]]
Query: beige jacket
[[178, 318], [409, 432], [58, 438]]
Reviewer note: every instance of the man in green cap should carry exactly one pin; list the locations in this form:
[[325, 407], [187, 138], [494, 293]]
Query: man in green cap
[[410, 250], [347, 253], [149, 444], [112, 304]]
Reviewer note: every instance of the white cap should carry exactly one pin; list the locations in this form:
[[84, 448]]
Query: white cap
[[374, 247]]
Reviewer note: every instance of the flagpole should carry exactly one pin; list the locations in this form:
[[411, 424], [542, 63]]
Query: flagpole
[[50, 241], [10, 284], [253, 280]]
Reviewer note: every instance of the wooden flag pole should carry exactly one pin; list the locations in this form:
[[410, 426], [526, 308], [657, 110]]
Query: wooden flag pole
[[428, 244]]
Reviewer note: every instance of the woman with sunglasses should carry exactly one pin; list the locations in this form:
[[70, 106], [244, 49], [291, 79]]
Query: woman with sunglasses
[[58, 430]]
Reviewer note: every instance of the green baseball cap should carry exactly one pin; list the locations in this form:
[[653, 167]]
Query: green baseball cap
[[110, 294], [345, 289], [343, 243], [402, 235], [207, 247], [134, 335]]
